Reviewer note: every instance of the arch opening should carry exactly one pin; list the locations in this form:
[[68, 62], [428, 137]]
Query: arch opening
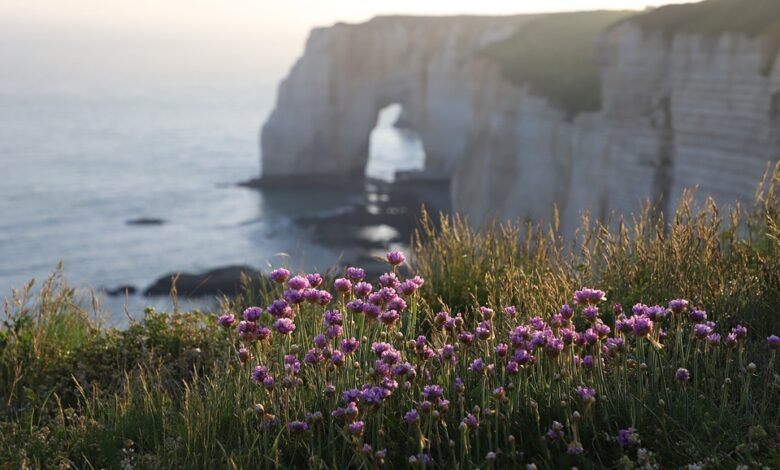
[[394, 146]]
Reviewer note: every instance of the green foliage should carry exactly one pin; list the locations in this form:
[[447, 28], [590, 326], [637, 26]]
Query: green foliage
[[753, 18], [555, 55]]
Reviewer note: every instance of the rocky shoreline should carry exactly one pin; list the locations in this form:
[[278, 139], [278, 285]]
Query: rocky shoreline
[[384, 216]]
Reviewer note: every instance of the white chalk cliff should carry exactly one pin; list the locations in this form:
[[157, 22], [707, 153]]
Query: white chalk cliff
[[677, 111]]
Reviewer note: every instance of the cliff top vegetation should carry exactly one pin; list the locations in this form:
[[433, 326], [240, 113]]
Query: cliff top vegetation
[[753, 18], [555, 56]]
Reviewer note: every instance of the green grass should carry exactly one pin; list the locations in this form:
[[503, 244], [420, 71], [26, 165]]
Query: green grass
[[758, 19], [168, 392], [754, 18], [555, 55]]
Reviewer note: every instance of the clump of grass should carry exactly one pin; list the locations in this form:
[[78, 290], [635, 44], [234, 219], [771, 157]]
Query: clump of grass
[[729, 261]]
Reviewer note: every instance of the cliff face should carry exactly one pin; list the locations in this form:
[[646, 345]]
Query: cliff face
[[677, 111], [329, 103]]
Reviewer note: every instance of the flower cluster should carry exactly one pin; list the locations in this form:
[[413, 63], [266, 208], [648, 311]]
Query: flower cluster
[[362, 352]]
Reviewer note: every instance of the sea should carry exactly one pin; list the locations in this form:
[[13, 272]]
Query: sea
[[75, 169]]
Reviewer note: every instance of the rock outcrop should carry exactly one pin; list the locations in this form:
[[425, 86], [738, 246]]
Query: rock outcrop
[[677, 110]]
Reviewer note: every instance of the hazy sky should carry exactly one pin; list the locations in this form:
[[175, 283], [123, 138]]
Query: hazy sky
[[275, 14], [84, 45]]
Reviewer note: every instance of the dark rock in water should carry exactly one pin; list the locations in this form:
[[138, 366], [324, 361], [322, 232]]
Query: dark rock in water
[[122, 290], [311, 180], [146, 221], [225, 280]]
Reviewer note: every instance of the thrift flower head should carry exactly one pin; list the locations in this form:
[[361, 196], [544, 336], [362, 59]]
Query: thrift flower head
[[682, 375], [298, 283], [297, 426], [389, 280], [280, 308], [713, 339], [459, 386], [412, 416], [554, 346], [627, 437], [350, 345], [588, 296], [483, 330], [773, 341], [243, 355], [259, 373], [477, 366], [466, 337], [355, 306], [656, 313], [363, 289], [555, 432], [591, 313], [587, 362], [566, 312], [678, 305], [227, 320], [342, 285], [331, 317], [315, 280], [356, 428], [324, 297], [407, 287], [740, 331], [697, 316], [284, 326], [642, 326], [433, 392], [471, 421], [252, 313], [395, 258], [279, 275], [586, 394], [390, 317], [396, 303], [293, 296], [701, 330], [356, 274], [510, 311]]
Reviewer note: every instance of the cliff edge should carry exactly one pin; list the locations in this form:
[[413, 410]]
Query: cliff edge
[[594, 110]]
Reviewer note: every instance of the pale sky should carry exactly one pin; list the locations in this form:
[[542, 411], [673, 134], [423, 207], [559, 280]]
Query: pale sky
[[80, 45], [276, 14]]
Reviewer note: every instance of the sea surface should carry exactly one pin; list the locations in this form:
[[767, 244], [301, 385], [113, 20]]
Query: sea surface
[[74, 170]]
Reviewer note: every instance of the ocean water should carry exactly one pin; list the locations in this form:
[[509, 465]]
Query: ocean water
[[74, 170]]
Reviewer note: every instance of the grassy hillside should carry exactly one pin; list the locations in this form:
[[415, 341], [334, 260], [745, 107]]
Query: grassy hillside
[[492, 383], [555, 56], [754, 18]]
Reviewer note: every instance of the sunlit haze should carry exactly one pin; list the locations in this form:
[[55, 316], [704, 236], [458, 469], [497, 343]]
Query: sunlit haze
[[107, 44]]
